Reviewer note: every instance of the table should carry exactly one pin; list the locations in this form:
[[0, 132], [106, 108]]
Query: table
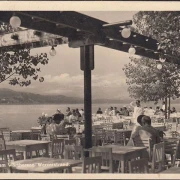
[[124, 153], [28, 146], [173, 170], [44, 165]]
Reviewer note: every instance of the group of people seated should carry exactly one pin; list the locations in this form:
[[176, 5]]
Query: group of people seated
[[113, 111], [144, 129], [158, 111], [59, 121], [74, 115]]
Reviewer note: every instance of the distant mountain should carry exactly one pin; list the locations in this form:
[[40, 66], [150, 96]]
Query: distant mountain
[[8, 96]]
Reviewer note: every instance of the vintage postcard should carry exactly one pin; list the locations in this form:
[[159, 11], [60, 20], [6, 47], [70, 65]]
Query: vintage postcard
[[89, 88]]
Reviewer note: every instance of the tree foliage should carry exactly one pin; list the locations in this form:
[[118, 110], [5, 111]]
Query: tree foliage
[[145, 81], [19, 67]]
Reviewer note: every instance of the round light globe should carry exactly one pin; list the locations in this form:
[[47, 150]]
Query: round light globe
[[162, 60], [52, 52], [15, 22], [126, 32], [132, 51], [159, 66]]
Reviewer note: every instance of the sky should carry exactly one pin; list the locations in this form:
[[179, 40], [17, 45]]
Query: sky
[[63, 75]]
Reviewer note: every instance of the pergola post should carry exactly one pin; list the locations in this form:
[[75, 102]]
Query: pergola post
[[87, 64]]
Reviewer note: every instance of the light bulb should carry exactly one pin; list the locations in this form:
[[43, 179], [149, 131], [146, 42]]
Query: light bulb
[[52, 52], [15, 22], [132, 51], [159, 66], [162, 60], [126, 32]]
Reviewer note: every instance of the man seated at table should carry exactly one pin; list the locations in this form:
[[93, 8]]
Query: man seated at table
[[148, 131]]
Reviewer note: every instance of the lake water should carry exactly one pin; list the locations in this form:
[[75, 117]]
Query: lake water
[[18, 117]]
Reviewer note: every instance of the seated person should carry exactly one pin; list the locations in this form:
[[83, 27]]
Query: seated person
[[68, 111], [135, 130], [148, 131], [73, 117], [157, 110], [173, 110], [125, 111], [57, 127], [99, 111]]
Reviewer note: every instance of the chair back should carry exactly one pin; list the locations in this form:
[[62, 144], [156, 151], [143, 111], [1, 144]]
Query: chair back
[[73, 152], [92, 164], [69, 142], [106, 154], [6, 158], [35, 134], [120, 138], [99, 136], [138, 166], [172, 147], [144, 142], [117, 125], [158, 158], [109, 136], [57, 148]]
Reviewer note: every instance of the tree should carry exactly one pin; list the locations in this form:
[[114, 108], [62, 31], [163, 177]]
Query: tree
[[145, 81], [18, 66]]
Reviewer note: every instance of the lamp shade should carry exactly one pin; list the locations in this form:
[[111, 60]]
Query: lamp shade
[[159, 66], [132, 51], [15, 22], [52, 52], [126, 32]]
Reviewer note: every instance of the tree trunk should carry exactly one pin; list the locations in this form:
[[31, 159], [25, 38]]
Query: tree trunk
[[169, 109], [165, 107]]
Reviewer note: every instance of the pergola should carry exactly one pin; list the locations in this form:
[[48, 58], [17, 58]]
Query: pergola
[[79, 31]]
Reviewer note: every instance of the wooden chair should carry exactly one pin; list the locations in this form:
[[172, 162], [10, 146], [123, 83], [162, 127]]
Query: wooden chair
[[107, 160], [73, 152], [138, 166], [35, 134], [144, 142], [171, 147], [92, 165], [99, 136], [158, 158], [117, 125], [57, 148], [6, 159], [120, 138], [69, 142], [109, 137]]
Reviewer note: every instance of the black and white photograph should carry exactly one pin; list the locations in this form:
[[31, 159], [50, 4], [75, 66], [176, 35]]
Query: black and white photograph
[[90, 92]]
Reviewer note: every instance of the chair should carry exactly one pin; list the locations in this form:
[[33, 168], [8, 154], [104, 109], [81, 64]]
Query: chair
[[107, 160], [73, 152], [109, 137], [35, 134], [125, 124], [138, 166], [99, 136], [117, 125], [6, 159], [144, 142], [69, 142], [92, 164], [171, 147], [57, 148], [158, 158], [120, 138]]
